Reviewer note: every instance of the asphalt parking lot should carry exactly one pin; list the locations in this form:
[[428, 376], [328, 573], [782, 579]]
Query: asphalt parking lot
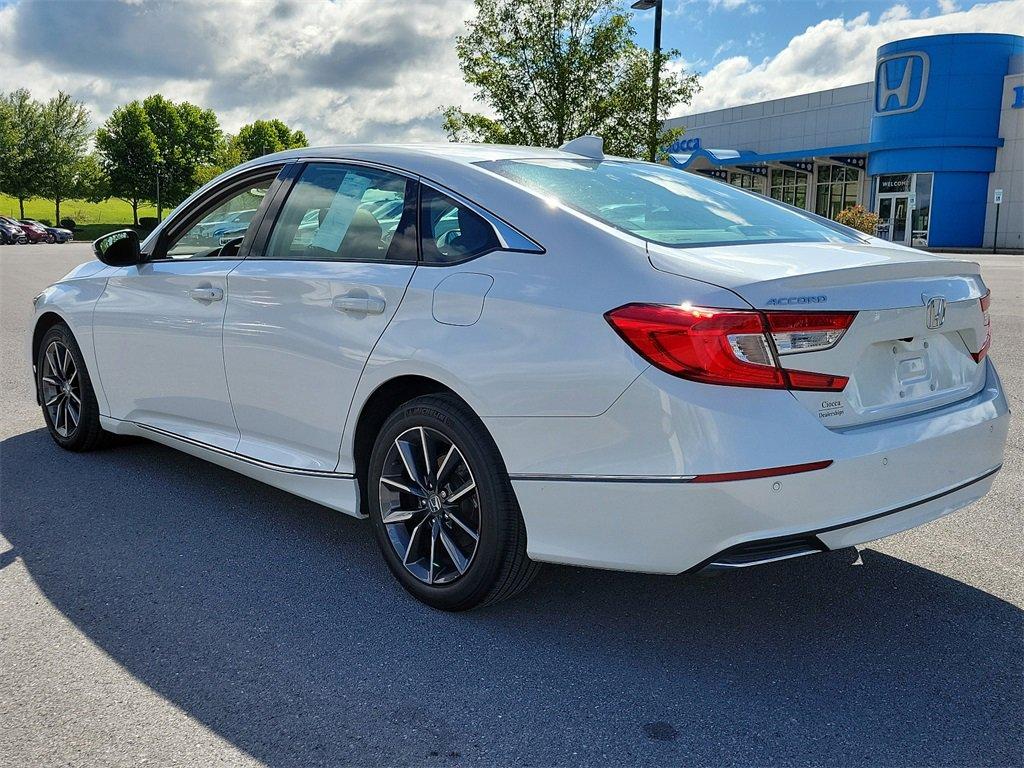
[[157, 608]]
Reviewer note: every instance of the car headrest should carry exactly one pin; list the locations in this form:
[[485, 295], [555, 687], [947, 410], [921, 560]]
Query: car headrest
[[363, 237]]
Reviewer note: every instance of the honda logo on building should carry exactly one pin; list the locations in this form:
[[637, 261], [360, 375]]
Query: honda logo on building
[[901, 80]]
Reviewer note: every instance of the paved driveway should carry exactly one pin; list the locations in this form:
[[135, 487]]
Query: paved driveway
[[155, 607]]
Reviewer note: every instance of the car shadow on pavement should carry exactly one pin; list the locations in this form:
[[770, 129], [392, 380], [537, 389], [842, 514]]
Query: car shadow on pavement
[[274, 622]]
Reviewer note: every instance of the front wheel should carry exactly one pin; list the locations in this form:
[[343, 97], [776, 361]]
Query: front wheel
[[70, 409], [442, 507]]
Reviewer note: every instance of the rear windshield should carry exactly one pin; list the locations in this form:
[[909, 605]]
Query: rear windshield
[[664, 205]]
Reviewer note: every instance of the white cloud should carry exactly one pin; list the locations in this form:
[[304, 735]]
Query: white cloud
[[837, 52], [948, 6], [341, 71], [732, 5], [725, 46]]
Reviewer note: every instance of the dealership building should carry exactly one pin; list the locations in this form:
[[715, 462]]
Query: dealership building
[[930, 144]]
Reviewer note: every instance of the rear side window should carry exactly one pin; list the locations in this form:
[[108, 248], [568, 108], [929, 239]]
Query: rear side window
[[347, 213], [451, 232]]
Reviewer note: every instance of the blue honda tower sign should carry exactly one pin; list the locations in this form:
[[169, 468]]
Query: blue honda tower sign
[[937, 107]]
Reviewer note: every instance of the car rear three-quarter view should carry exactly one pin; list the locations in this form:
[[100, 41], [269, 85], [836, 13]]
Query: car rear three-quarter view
[[505, 355]]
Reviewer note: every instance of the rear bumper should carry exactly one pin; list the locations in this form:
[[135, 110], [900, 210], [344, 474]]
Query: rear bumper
[[884, 479]]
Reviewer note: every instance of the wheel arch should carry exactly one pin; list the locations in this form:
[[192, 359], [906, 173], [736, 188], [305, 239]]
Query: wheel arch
[[44, 323], [381, 403]]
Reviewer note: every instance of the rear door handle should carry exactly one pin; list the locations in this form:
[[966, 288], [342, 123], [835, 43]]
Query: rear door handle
[[367, 305], [206, 294]]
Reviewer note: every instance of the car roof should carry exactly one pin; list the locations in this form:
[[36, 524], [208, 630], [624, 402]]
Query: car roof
[[462, 153], [441, 158]]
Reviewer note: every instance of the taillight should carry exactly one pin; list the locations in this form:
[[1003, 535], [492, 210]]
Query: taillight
[[728, 346], [986, 300], [795, 332]]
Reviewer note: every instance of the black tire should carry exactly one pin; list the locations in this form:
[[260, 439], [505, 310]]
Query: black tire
[[498, 567], [50, 239], [86, 434]]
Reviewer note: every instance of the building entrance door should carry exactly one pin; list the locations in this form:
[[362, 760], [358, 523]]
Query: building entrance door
[[892, 212]]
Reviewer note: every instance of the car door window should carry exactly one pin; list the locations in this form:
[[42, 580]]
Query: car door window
[[226, 220], [451, 231], [347, 213]]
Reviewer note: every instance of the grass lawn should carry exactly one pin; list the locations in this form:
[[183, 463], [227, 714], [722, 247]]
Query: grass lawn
[[93, 219]]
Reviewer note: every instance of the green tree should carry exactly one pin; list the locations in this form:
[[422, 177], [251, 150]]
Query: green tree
[[187, 138], [226, 157], [65, 133], [24, 154], [263, 137], [8, 138], [129, 155], [91, 182], [552, 70]]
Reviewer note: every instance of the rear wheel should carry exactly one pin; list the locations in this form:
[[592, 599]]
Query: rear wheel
[[51, 239], [70, 409], [442, 507]]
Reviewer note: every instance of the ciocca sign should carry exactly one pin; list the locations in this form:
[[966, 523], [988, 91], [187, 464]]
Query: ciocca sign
[[901, 81]]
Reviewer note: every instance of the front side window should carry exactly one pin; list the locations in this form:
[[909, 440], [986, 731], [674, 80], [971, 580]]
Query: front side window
[[664, 205], [226, 221], [347, 213], [451, 231]]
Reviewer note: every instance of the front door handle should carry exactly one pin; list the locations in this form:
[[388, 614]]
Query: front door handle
[[206, 294], [367, 305]]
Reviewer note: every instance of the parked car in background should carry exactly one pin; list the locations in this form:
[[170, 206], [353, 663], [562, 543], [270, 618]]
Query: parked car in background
[[53, 234], [545, 356], [218, 226], [11, 232], [36, 233]]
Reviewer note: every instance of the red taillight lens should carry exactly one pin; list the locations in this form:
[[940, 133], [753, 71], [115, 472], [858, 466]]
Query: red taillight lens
[[805, 380], [718, 346], [986, 300], [715, 346]]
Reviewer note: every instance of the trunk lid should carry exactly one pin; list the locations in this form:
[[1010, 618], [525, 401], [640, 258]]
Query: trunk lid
[[901, 355]]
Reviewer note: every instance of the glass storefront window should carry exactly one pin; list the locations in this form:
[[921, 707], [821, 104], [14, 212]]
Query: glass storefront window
[[789, 186], [922, 209], [838, 187], [751, 181]]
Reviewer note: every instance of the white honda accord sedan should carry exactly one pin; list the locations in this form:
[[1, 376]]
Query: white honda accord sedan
[[505, 355]]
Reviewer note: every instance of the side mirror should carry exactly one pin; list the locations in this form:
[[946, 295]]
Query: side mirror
[[118, 249]]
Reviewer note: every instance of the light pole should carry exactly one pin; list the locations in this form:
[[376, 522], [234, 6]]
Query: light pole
[[646, 5]]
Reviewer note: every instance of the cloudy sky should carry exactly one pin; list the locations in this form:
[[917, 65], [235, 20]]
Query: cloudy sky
[[378, 70]]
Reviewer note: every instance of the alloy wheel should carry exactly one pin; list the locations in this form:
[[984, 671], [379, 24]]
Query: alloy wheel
[[62, 389], [430, 506]]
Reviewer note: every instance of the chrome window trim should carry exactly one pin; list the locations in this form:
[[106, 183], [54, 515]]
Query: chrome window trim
[[510, 238]]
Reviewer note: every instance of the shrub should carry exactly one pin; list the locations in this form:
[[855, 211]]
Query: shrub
[[148, 222], [860, 218], [45, 222], [69, 224]]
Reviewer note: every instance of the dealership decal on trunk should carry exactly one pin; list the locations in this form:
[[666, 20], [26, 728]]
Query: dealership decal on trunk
[[830, 408]]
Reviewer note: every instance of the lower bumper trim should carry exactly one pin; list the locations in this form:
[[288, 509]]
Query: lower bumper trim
[[761, 551]]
